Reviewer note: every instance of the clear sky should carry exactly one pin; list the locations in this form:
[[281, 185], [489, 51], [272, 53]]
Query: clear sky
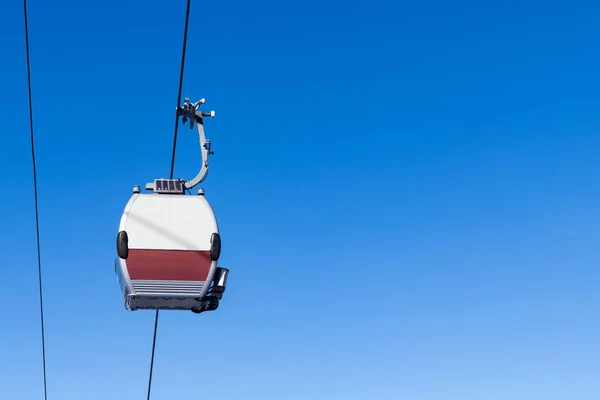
[[407, 194]]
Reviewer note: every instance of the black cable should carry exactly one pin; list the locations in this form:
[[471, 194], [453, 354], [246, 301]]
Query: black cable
[[37, 221], [185, 31], [152, 359]]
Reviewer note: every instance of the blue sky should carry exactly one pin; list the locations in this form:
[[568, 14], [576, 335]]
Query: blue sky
[[407, 196]]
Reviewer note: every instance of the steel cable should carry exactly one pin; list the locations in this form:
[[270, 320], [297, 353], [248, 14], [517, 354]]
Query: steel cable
[[35, 195], [185, 32]]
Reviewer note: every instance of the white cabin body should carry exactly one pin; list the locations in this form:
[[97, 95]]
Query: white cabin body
[[172, 247]]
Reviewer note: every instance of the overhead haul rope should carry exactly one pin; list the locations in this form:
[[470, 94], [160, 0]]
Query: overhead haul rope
[[37, 222], [185, 31]]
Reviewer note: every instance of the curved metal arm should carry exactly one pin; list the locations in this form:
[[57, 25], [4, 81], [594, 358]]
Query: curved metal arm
[[204, 150], [188, 111]]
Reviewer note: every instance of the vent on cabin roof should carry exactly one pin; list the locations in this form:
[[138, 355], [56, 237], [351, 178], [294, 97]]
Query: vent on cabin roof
[[172, 186]]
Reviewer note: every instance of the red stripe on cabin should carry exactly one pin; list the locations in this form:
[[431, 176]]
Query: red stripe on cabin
[[168, 265]]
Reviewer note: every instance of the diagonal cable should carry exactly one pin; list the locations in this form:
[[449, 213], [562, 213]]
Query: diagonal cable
[[185, 32], [35, 195]]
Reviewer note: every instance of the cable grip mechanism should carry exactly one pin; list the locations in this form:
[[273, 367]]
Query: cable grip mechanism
[[190, 111]]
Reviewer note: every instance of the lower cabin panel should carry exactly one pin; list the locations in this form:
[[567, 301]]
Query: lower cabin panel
[[158, 302], [146, 287]]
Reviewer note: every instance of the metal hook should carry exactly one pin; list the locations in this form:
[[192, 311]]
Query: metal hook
[[192, 112]]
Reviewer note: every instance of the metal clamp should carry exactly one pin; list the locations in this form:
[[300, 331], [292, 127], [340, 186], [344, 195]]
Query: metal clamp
[[191, 111]]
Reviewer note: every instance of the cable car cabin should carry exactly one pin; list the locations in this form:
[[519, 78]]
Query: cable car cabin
[[168, 246]]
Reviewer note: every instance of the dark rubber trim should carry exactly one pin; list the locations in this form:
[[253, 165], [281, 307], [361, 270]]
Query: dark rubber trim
[[215, 246], [122, 245]]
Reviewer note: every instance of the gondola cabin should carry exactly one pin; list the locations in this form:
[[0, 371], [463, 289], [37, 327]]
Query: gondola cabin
[[168, 246]]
